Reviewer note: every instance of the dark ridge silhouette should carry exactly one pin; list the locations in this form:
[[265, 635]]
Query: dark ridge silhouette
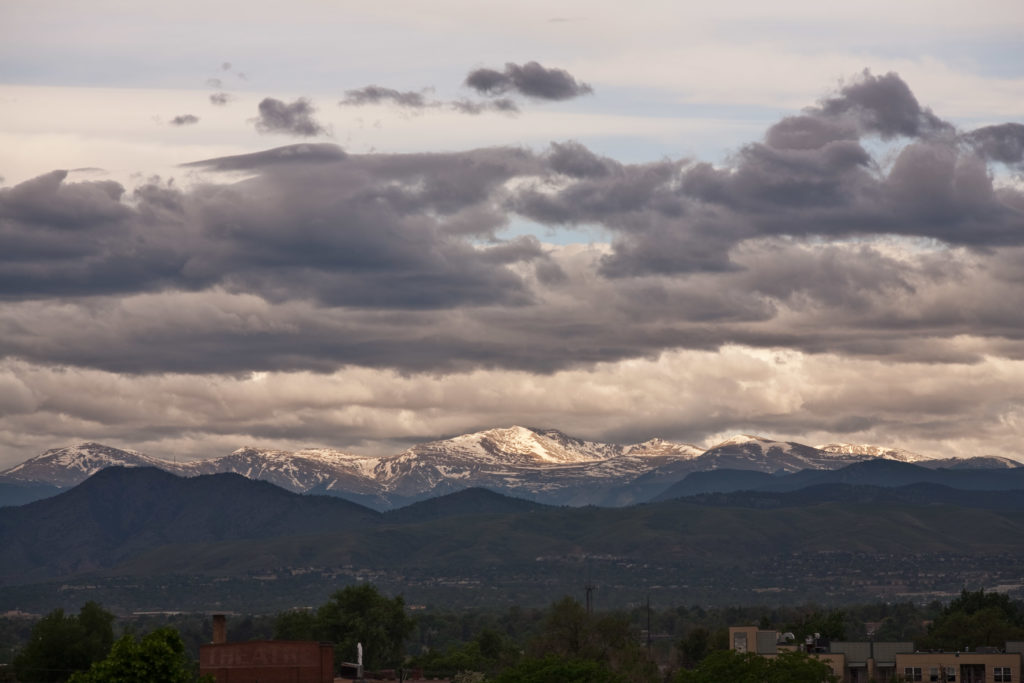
[[471, 501]]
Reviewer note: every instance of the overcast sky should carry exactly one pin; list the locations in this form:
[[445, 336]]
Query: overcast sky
[[363, 225]]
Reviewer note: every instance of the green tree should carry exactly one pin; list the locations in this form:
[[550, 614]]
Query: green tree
[[62, 644], [483, 655], [353, 615], [295, 625], [830, 625], [555, 669], [607, 640], [747, 667], [694, 647], [159, 657], [976, 618]]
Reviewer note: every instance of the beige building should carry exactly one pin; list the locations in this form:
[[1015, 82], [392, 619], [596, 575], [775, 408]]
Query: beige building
[[883, 662]]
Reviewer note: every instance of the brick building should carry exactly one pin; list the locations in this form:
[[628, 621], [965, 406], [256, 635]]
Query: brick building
[[265, 661]]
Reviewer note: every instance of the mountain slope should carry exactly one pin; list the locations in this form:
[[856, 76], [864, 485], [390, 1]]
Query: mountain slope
[[874, 451], [119, 512], [71, 465], [138, 522], [878, 472]]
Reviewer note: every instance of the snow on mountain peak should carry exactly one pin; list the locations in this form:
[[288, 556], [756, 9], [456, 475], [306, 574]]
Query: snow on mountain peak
[[874, 452], [740, 439], [69, 465], [658, 446], [517, 442]]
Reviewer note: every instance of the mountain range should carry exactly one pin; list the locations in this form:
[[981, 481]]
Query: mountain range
[[133, 530], [542, 465]]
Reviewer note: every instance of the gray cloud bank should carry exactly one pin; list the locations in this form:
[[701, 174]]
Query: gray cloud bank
[[398, 261], [294, 118], [530, 80], [321, 261]]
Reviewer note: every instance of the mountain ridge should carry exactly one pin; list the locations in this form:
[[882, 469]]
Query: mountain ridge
[[543, 465], [142, 522]]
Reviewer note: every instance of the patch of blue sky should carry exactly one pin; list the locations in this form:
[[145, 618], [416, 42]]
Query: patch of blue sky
[[560, 234]]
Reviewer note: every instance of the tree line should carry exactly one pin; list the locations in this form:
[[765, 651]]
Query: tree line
[[563, 642]]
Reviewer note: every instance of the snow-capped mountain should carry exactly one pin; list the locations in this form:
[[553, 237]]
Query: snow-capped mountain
[[514, 459], [298, 471], [874, 451], [662, 447], [980, 462], [541, 464], [746, 452], [71, 465]]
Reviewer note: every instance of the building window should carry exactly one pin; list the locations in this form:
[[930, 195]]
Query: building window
[[912, 673], [951, 674], [1002, 674], [933, 674]]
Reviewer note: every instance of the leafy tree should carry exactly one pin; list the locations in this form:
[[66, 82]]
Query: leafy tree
[[555, 669], [62, 644], [483, 655], [353, 615], [976, 618], [490, 643], [829, 625], [565, 629], [295, 625], [159, 657], [975, 601], [607, 640], [694, 647], [747, 667]]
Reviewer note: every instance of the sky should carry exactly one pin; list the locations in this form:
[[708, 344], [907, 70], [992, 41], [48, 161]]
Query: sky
[[366, 225]]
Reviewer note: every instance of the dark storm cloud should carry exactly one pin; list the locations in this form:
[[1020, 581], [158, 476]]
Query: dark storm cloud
[[295, 118], [319, 259], [530, 79], [884, 105], [811, 178], [1003, 143], [184, 120], [47, 203], [312, 224], [219, 99], [375, 94]]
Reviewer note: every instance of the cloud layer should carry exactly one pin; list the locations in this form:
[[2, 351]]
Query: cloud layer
[[530, 80], [295, 118], [863, 240]]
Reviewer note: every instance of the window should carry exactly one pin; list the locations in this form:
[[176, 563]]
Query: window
[[1002, 674], [933, 674], [951, 674], [912, 673]]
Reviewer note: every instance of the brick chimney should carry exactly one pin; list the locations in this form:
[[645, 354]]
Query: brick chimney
[[220, 629]]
